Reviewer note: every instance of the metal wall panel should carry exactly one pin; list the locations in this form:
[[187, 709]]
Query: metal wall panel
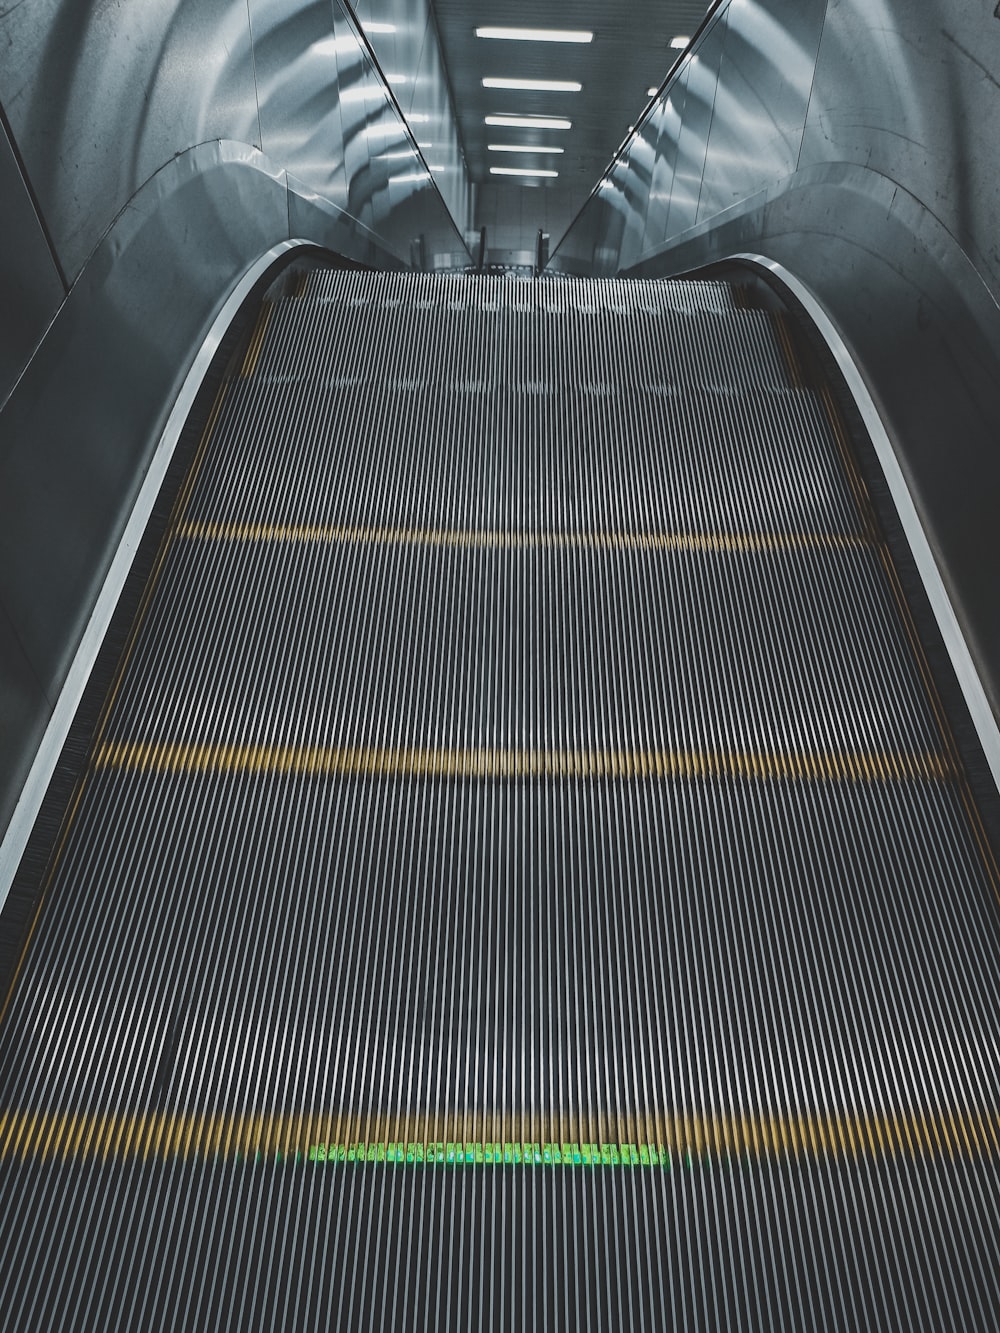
[[638, 186], [435, 127], [760, 106], [668, 117], [325, 116], [300, 112], [700, 78], [412, 63], [29, 280], [776, 86], [98, 102], [614, 205]]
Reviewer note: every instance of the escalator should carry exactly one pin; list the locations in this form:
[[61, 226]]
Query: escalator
[[523, 874]]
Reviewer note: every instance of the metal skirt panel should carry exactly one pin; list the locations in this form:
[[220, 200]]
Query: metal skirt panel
[[523, 876]]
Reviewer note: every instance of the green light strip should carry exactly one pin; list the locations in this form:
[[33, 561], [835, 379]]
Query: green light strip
[[413, 1139], [493, 1154]]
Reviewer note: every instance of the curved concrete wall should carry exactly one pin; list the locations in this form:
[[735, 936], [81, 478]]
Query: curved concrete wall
[[98, 98], [854, 143], [150, 154]]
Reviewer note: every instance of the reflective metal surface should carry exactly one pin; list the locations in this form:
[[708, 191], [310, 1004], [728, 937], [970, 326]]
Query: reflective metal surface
[[757, 116], [700, 84], [666, 125], [411, 60], [772, 87], [853, 143], [301, 120], [728, 124]]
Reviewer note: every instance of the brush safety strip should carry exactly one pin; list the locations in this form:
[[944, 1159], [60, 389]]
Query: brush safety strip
[[324, 1139], [518, 540], [403, 761]]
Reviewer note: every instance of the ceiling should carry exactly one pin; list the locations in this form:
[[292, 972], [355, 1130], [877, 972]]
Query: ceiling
[[629, 54]]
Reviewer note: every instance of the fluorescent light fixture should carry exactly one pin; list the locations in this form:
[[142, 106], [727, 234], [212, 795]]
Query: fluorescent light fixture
[[397, 78], [531, 122], [411, 178], [535, 35], [424, 145], [534, 85], [523, 148], [679, 43], [521, 171], [651, 92], [438, 166], [378, 27], [415, 119]]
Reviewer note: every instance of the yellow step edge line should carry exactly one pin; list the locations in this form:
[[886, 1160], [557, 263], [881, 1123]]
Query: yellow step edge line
[[781, 322], [256, 341], [930, 1135], [417, 761], [506, 539]]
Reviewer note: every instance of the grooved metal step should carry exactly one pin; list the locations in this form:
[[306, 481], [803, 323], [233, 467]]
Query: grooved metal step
[[523, 875]]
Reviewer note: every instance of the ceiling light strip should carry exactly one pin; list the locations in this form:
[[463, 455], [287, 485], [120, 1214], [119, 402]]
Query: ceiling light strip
[[524, 148], [521, 171], [530, 122], [535, 35], [535, 85]]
